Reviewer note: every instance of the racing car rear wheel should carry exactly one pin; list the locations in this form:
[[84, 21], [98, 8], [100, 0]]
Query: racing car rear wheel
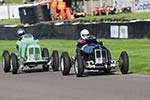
[[65, 63], [14, 63], [45, 53], [55, 57], [124, 62], [79, 66], [6, 61]]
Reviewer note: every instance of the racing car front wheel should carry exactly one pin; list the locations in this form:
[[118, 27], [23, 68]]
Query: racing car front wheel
[[55, 57], [65, 63], [45, 53], [124, 62], [14, 63], [79, 66], [108, 70], [6, 61]]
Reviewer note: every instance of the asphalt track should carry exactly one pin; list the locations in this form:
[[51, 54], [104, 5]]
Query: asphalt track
[[34, 84]]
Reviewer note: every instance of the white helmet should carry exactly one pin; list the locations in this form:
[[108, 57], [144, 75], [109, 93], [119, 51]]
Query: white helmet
[[20, 32], [84, 33]]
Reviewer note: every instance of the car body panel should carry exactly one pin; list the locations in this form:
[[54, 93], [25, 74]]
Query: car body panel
[[29, 50]]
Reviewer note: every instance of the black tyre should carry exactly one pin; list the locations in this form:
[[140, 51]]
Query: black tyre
[[124, 62], [65, 63], [55, 59], [6, 61], [45, 53], [79, 66], [14, 63], [77, 50], [108, 70]]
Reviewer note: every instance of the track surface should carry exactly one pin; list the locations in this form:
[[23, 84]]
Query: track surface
[[35, 84]]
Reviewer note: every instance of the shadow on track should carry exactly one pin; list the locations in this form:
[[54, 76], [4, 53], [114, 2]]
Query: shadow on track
[[99, 73], [33, 70]]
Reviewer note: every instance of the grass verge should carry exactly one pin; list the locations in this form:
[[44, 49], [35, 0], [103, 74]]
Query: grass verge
[[138, 50], [102, 18]]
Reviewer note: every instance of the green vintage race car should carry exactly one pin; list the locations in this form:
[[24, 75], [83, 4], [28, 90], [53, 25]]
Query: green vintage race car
[[29, 54]]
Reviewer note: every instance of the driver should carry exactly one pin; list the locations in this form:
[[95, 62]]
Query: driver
[[82, 41], [83, 34], [20, 33]]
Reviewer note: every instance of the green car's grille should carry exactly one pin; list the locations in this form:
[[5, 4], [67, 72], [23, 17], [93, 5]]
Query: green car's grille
[[37, 54], [31, 51], [37, 51], [34, 54]]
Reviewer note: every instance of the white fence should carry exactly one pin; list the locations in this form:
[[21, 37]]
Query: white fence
[[11, 11], [4, 12]]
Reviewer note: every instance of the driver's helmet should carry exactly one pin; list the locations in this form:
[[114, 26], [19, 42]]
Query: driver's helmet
[[20, 32], [84, 33]]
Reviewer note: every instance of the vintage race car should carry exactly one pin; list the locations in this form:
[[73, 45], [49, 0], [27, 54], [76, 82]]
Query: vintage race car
[[29, 54], [93, 56]]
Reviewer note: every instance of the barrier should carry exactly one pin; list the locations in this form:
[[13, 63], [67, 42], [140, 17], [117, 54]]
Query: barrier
[[132, 30], [34, 14]]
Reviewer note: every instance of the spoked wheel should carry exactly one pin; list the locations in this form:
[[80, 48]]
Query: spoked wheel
[[124, 62], [108, 70], [79, 66], [6, 61], [65, 63], [14, 63], [45, 53], [55, 60]]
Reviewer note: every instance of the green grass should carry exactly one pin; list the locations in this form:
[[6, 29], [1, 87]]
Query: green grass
[[138, 50], [117, 17], [13, 1], [140, 15], [10, 21]]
